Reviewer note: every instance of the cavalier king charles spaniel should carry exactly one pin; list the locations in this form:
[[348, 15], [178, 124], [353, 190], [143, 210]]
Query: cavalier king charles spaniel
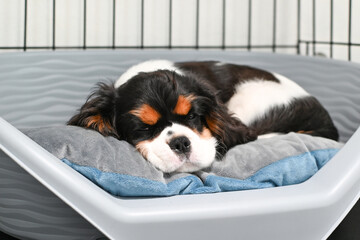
[[182, 116]]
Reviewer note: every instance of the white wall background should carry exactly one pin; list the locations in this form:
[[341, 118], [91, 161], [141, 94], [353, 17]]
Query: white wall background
[[70, 17]]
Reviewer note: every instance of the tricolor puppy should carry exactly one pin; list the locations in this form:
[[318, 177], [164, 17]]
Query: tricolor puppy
[[182, 116]]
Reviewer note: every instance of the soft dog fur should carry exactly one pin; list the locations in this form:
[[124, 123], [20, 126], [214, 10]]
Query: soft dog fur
[[182, 116]]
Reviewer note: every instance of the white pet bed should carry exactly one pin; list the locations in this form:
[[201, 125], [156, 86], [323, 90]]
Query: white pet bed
[[43, 89]]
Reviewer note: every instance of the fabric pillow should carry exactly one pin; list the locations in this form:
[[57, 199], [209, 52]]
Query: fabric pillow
[[118, 168]]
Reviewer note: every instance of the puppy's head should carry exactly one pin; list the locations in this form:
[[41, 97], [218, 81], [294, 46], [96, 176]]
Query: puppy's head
[[175, 122]]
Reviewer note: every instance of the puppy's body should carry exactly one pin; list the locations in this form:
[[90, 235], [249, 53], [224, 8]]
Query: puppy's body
[[179, 115], [266, 102]]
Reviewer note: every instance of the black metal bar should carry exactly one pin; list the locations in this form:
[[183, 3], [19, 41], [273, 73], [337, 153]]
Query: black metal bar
[[310, 44], [298, 26], [331, 28], [25, 25], [156, 47], [249, 27], [113, 23], [274, 27], [197, 24], [84, 31], [314, 29], [170, 23], [142, 24], [53, 24], [188, 47], [307, 48], [349, 40], [334, 43], [223, 40]]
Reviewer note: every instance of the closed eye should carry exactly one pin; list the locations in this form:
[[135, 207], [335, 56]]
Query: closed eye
[[191, 116], [143, 129]]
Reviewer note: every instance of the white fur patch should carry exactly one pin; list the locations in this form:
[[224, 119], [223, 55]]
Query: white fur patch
[[148, 66], [269, 135], [254, 98], [219, 64], [159, 153]]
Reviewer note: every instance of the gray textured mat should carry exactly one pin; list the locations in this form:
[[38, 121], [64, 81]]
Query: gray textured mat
[[46, 88]]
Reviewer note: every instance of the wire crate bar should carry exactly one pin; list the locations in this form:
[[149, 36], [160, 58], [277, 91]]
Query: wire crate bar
[[300, 46]]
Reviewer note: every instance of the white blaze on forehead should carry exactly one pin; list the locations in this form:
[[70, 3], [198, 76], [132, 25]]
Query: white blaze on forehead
[[159, 153], [220, 64], [148, 66], [254, 98]]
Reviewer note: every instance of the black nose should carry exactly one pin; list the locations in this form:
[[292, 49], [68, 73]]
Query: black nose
[[180, 145]]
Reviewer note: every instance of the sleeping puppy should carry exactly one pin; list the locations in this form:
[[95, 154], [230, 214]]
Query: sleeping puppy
[[182, 116]]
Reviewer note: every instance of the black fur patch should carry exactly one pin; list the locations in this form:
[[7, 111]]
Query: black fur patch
[[223, 78], [305, 115], [98, 111]]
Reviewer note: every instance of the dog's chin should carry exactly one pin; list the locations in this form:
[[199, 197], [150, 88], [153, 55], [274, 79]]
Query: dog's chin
[[191, 167], [168, 162], [158, 152]]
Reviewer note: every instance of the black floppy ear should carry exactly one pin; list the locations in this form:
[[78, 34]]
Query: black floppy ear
[[230, 131], [98, 111]]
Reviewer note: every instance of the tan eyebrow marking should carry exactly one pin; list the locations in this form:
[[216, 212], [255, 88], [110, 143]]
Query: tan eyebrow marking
[[183, 105], [147, 114]]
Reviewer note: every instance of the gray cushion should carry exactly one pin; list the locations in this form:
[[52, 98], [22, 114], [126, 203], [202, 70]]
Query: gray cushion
[[117, 167]]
